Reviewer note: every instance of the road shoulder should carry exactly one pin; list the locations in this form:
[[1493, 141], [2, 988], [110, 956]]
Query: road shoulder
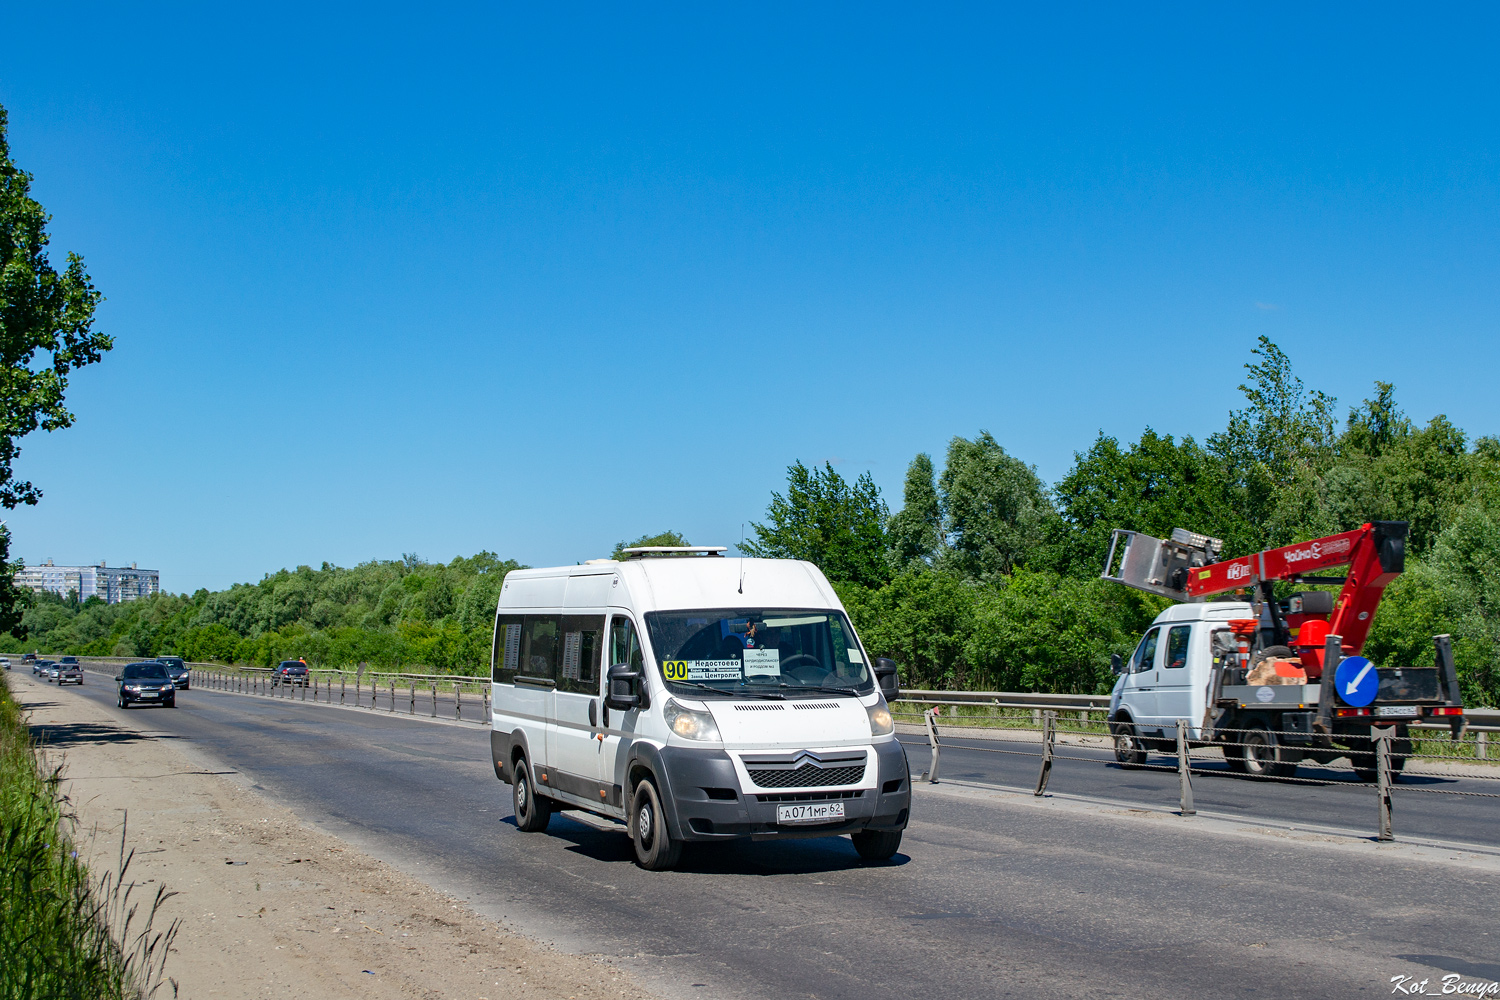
[[269, 905]]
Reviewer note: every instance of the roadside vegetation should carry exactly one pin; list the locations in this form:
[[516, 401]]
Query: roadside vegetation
[[986, 578], [63, 933]]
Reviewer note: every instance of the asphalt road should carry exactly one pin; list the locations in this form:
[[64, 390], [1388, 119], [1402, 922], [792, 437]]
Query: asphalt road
[[1422, 804], [993, 896]]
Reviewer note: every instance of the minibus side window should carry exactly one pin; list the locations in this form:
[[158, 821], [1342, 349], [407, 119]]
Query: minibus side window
[[541, 647], [505, 657], [582, 647]]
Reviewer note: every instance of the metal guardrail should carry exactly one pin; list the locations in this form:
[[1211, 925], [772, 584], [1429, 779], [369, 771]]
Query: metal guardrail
[[1379, 771], [1378, 766], [1479, 719], [336, 687]]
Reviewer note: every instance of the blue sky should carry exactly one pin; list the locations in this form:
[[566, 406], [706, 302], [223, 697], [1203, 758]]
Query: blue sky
[[396, 279]]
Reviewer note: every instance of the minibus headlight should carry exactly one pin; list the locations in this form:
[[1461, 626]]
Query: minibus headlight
[[688, 724], [881, 723]]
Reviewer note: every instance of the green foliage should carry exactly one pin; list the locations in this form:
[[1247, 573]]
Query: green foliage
[[1034, 631], [40, 310], [1454, 590], [388, 613], [914, 536], [836, 525], [995, 509], [1155, 485], [921, 620], [666, 538], [1041, 631]]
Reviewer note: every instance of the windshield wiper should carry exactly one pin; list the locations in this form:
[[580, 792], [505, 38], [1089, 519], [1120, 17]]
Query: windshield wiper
[[706, 687], [834, 688]]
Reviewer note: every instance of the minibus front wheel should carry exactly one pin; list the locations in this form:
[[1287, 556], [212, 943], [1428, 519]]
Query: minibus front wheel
[[877, 845], [655, 848], [533, 811]]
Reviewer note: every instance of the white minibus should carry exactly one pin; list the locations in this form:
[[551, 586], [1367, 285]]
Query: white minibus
[[696, 698]]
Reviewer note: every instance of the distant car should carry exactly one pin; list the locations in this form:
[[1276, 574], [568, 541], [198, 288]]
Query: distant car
[[68, 673], [177, 670], [5, 662], [146, 682], [39, 667], [46, 669], [293, 672], [67, 659], [28, 658]]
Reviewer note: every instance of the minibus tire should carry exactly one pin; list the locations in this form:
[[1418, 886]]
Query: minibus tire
[[876, 845], [655, 848], [533, 811]]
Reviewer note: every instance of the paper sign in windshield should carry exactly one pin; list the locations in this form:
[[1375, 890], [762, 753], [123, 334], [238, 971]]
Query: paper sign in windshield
[[701, 670], [762, 663]]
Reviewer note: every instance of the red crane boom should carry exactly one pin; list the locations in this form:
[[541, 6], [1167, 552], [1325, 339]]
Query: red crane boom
[[1180, 568]]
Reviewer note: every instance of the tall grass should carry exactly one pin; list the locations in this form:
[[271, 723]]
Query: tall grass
[[65, 935]]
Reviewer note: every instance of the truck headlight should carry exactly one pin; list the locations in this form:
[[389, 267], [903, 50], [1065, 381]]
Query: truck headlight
[[881, 723], [688, 724]]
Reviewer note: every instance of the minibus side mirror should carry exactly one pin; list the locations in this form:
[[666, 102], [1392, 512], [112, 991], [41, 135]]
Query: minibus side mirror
[[1116, 664], [119, 677], [623, 693], [885, 676]]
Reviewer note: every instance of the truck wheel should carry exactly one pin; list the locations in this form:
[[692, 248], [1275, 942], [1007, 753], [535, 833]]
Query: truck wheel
[[1263, 756], [533, 811], [1128, 749], [655, 850], [876, 845], [1364, 763]]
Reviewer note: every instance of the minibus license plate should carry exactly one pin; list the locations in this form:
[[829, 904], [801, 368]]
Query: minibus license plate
[[1395, 710], [810, 812]]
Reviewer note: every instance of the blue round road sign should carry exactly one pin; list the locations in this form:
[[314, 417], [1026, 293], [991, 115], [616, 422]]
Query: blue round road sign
[[1357, 681]]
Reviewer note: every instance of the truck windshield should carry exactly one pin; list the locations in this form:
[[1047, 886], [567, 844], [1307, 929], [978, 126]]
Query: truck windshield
[[757, 651]]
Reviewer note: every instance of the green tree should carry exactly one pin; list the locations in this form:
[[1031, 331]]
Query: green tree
[[40, 311], [666, 539], [915, 533], [12, 601], [1275, 449], [995, 509], [1045, 632], [836, 525], [1153, 486], [922, 620]]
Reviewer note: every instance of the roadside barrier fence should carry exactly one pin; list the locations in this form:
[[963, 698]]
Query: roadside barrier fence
[[1047, 727], [432, 695], [1376, 760]]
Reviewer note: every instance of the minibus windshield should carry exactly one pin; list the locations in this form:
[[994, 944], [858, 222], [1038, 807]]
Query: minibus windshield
[[784, 651]]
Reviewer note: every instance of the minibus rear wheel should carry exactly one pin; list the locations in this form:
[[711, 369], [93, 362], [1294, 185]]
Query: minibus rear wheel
[[533, 811], [655, 848]]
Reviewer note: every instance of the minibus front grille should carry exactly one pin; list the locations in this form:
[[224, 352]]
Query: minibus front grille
[[806, 776], [853, 793]]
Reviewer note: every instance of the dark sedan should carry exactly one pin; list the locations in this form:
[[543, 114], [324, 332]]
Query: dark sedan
[[177, 670], [147, 683], [290, 672]]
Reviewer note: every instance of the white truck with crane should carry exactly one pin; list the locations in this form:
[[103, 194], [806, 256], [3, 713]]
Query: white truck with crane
[[1271, 682]]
